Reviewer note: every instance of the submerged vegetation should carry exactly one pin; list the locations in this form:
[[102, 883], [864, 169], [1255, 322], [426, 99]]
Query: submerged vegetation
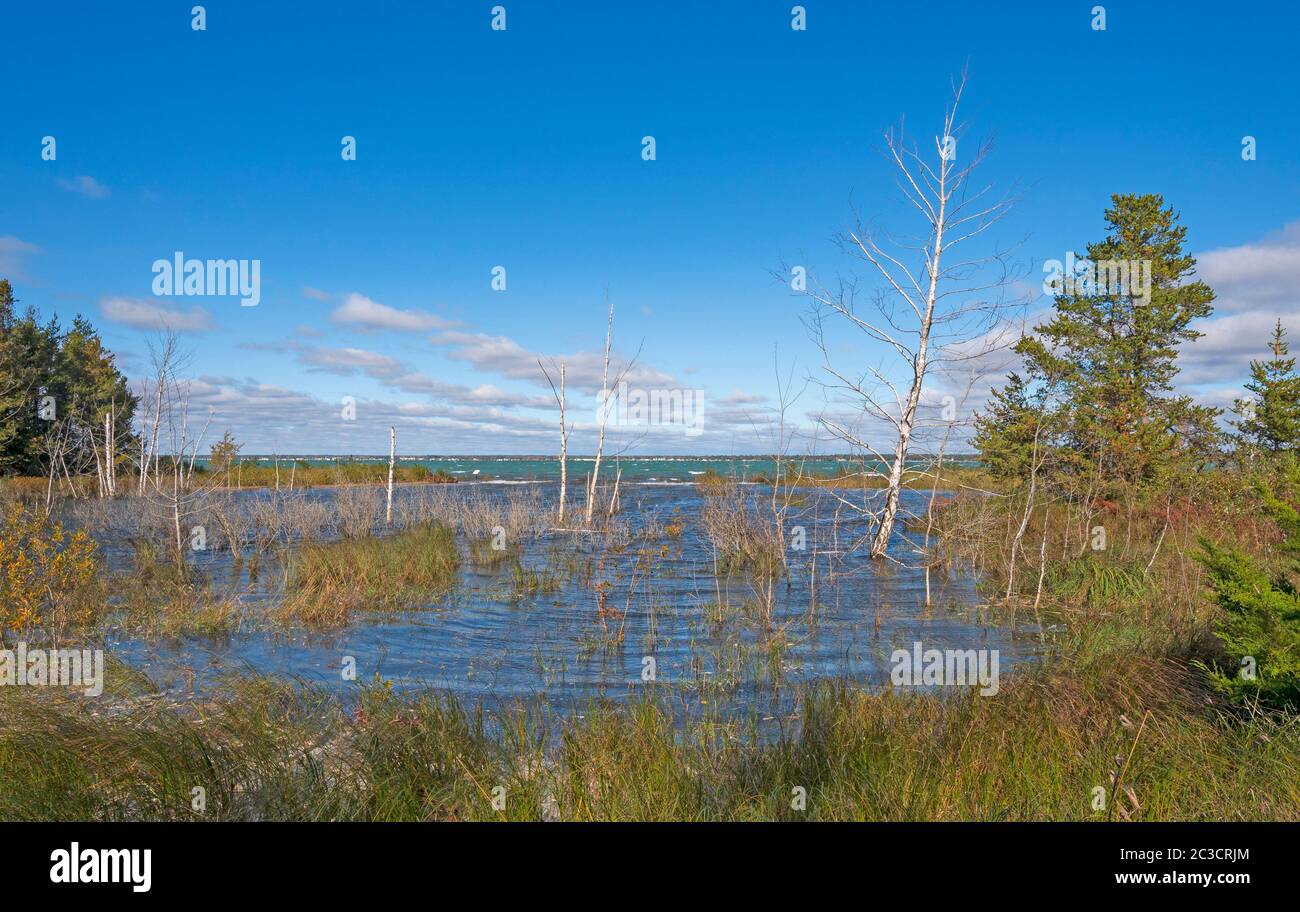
[[326, 582]]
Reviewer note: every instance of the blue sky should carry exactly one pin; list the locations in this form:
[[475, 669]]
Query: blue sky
[[522, 148]]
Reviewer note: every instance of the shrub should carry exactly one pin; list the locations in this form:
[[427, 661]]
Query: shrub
[[1260, 630], [742, 536], [48, 576]]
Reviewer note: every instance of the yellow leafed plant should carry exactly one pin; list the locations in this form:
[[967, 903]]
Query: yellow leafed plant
[[49, 577]]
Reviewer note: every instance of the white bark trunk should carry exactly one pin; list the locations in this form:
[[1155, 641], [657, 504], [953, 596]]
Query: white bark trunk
[[1024, 519], [99, 467], [907, 420], [559, 394], [151, 455], [111, 445], [613, 500], [392, 458], [604, 414], [564, 450]]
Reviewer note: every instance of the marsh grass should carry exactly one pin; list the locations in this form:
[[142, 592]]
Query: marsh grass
[[328, 555], [528, 583], [326, 582], [743, 537], [1142, 729], [951, 478], [304, 475], [183, 610], [1116, 703], [1144, 586], [482, 553], [1096, 584], [156, 597]]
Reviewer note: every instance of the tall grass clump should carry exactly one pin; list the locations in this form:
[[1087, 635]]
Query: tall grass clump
[[743, 537], [291, 474], [326, 582], [1144, 731], [155, 596], [264, 749]]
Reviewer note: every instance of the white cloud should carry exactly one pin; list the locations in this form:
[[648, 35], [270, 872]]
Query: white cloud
[[85, 185], [454, 417], [740, 397], [1264, 275], [1255, 284], [269, 418], [1227, 347], [398, 375], [344, 361], [358, 310], [147, 315], [12, 252], [583, 370]]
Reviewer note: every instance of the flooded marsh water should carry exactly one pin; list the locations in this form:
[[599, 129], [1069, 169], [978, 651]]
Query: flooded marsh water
[[569, 617]]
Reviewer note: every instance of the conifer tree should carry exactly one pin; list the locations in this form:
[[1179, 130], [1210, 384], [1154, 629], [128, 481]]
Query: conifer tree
[[1113, 352], [74, 368], [1270, 417], [1260, 626], [1005, 431]]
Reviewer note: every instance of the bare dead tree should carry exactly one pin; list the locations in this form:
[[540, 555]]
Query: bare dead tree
[[602, 414], [929, 309], [778, 426], [108, 472], [613, 497], [177, 495], [559, 394], [784, 495], [55, 445], [161, 356], [101, 467], [608, 397], [392, 460], [1036, 457], [110, 447]]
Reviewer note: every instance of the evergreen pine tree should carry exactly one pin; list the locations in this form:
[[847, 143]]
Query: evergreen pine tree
[[1260, 626], [74, 367], [1005, 431], [1270, 418], [1113, 353]]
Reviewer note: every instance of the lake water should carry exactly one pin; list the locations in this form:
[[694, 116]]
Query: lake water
[[482, 643], [634, 468]]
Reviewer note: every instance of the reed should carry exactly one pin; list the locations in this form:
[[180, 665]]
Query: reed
[[304, 475], [326, 582], [274, 750], [743, 536]]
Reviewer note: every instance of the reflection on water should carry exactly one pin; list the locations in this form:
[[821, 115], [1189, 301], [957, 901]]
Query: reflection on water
[[710, 639]]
